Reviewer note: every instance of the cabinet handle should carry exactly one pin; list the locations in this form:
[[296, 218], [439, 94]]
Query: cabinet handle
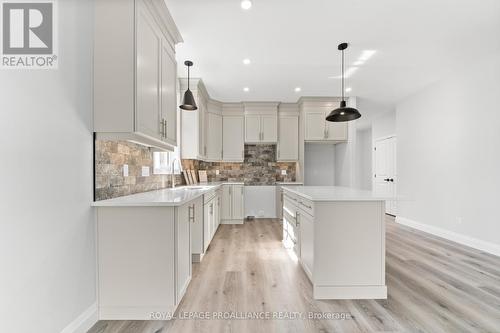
[[165, 128], [162, 128], [191, 217], [242, 190]]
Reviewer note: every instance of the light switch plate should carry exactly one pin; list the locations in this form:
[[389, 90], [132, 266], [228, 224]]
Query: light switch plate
[[125, 170], [283, 172], [216, 172], [145, 171]]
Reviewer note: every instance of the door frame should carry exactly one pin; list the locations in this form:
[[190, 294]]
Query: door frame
[[374, 142]]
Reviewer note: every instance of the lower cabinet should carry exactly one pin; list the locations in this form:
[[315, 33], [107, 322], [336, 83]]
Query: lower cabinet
[[306, 232], [143, 259], [233, 204], [206, 225]]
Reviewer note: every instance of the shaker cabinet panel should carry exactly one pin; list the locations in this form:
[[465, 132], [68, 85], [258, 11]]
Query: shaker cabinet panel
[[148, 81], [288, 138], [252, 129], [315, 126], [168, 94], [269, 128], [233, 138]]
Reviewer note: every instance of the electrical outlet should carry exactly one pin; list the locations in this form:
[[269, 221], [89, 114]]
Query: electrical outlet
[[145, 171], [125, 170], [216, 172], [283, 172]]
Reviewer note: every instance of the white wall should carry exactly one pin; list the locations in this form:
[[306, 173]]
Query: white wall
[[319, 164], [47, 252], [384, 125], [364, 159], [449, 153]]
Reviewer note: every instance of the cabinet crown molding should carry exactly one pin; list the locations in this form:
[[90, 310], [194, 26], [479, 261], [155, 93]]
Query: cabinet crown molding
[[261, 107]]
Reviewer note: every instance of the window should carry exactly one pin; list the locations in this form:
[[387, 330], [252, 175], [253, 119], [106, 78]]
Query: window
[[162, 162]]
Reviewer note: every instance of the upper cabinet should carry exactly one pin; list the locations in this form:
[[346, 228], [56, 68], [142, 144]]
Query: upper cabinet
[[261, 122], [194, 123], [233, 128], [213, 131], [288, 133], [316, 128], [135, 72]]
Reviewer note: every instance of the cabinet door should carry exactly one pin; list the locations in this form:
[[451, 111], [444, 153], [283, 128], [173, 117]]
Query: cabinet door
[[314, 125], [233, 144], [252, 129], [207, 222], [238, 206], [202, 118], [226, 212], [213, 224], [148, 110], [217, 212], [169, 93], [306, 237], [214, 137], [336, 131], [183, 249], [288, 141], [269, 128]]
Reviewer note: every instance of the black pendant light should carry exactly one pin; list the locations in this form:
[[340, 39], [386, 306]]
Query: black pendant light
[[343, 113], [188, 102]]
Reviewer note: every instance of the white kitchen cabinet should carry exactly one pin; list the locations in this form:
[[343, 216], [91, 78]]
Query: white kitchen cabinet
[[186, 216], [194, 123], [253, 131], [148, 70], [233, 204], [306, 231], [168, 93], [261, 128], [135, 72], [318, 129], [143, 259], [214, 137], [288, 138], [261, 122], [233, 138]]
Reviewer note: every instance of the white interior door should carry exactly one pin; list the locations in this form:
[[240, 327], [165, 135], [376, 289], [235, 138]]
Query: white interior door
[[384, 165]]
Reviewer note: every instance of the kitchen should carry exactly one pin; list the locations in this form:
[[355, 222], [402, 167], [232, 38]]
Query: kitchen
[[178, 184]]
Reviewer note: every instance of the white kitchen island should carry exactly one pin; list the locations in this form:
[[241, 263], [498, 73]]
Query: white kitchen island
[[338, 235]]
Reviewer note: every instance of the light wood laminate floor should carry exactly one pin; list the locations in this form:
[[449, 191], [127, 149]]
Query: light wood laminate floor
[[434, 286]]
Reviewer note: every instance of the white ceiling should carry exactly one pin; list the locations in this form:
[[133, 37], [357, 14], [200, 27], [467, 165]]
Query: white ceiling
[[293, 43]]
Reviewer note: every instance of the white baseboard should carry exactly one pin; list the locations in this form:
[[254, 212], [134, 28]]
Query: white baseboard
[[83, 322], [475, 243]]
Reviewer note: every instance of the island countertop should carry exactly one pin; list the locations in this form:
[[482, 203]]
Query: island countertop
[[334, 193]]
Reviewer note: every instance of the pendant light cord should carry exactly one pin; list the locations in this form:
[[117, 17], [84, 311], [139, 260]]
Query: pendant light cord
[[188, 76], [342, 75]]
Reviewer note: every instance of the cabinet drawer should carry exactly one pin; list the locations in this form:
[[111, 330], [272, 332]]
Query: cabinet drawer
[[306, 205], [289, 207]]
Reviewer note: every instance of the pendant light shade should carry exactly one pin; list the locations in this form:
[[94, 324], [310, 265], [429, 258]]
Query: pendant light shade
[[188, 102], [343, 113]]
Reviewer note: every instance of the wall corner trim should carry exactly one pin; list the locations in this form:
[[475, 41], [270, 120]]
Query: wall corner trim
[[84, 321], [474, 243]]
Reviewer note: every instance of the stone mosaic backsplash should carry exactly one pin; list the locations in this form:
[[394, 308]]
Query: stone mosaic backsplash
[[110, 156], [259, 168]]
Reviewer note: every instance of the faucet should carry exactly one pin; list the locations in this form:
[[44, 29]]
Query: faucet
[[172, 175]]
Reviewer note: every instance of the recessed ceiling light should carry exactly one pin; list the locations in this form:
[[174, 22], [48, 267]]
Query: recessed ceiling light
[[246, 4], [349, 89], [246, 61], [246, 89], [298, 89]]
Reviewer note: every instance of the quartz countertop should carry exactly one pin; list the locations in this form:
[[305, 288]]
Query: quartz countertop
[[334, 193], [165, 197], [289, 183]]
